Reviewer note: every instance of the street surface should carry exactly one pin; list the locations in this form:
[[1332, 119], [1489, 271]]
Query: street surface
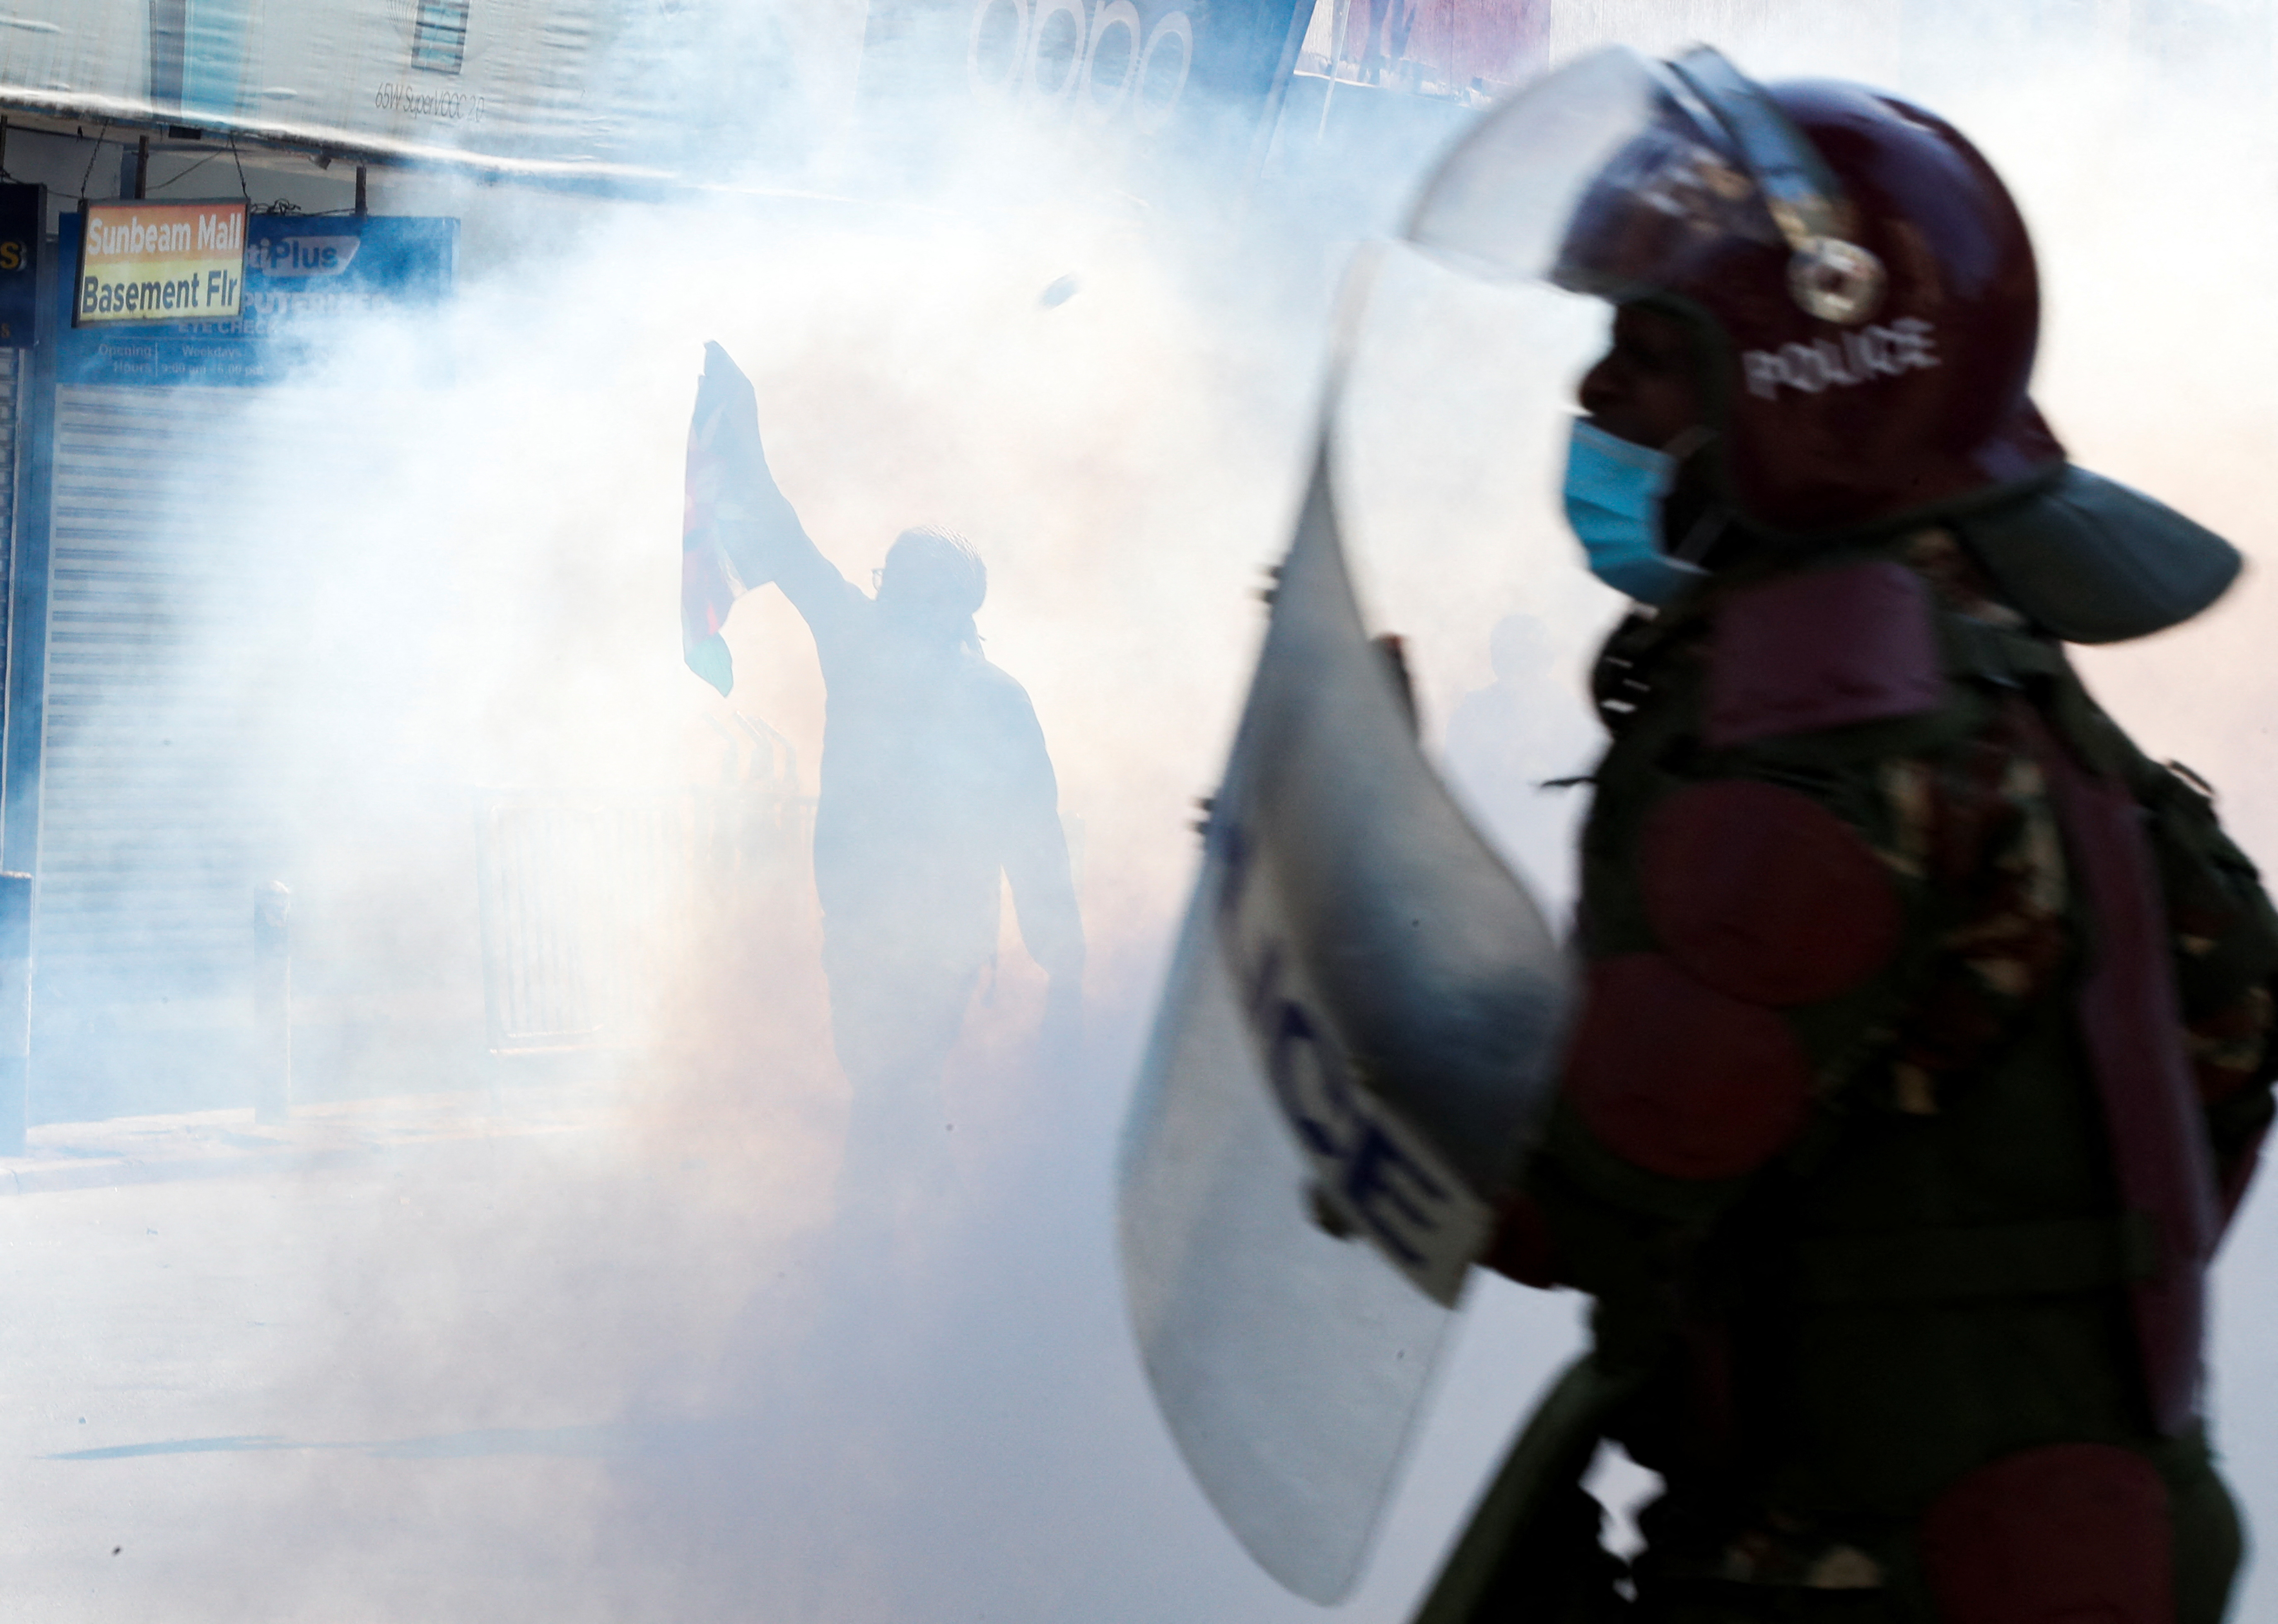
[[563, 1358]]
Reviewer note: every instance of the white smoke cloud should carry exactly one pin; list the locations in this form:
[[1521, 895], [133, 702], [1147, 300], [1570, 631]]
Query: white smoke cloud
[[642, 1390]]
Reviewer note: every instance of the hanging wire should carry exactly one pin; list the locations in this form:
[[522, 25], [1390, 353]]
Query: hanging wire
[[177, 181], [244, 191], [90, 161]]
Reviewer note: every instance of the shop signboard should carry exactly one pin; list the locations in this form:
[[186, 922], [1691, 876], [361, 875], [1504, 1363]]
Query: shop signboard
[[142, 264], [301, 275], [21, 209], [1118, 72]]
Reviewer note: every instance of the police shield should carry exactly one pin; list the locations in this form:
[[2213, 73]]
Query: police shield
[[1354, 1049]]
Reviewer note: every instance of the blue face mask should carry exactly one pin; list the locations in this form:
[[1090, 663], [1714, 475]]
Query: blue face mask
[[1614, 493]]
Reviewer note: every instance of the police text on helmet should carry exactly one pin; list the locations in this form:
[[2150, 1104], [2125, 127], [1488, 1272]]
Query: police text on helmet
[[1874, 351]]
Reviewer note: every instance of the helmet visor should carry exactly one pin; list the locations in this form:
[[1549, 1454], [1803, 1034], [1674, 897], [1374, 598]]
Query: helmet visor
[[1598, 178]]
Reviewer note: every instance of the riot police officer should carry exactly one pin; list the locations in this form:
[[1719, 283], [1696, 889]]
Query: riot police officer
[[1923, 1048]]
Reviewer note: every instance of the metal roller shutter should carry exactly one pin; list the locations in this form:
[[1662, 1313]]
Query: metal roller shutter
[[161, 799], [12, 366]]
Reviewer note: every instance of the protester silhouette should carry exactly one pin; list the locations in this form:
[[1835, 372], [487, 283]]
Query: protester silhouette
[[937, 789], [935, 781]]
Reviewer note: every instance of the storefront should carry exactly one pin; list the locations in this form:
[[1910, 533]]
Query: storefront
[[176, 461]]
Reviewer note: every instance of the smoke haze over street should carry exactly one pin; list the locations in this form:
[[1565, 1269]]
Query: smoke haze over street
[[608, 1371]]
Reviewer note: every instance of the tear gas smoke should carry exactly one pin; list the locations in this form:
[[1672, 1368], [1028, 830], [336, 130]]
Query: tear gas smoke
[[616, 1375]]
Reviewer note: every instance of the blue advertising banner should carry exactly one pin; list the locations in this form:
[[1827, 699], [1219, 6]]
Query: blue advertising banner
[[302, 272], [1135, 81]]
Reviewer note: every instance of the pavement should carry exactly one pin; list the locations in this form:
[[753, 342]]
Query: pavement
[[144, 1150]]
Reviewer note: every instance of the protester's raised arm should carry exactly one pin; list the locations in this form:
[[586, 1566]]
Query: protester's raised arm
[[758, 529]]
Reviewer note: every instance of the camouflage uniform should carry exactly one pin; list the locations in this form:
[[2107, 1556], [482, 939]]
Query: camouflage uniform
[[1830, 1154]]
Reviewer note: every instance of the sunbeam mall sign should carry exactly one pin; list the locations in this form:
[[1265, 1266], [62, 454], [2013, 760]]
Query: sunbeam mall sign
[[210, 293], [161, 262]]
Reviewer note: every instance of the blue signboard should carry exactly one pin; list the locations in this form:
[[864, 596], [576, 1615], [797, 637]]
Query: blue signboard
[[1141, 81], [303, 273]]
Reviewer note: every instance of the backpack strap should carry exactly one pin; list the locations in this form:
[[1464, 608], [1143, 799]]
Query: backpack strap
[[2132, 1024]]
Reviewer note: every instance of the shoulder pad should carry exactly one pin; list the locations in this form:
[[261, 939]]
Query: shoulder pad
[[1678, 1079], [1822, 650], [1764, 894]]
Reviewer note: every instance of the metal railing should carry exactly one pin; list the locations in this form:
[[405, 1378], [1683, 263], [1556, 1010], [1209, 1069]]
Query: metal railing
[[587, 895]]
